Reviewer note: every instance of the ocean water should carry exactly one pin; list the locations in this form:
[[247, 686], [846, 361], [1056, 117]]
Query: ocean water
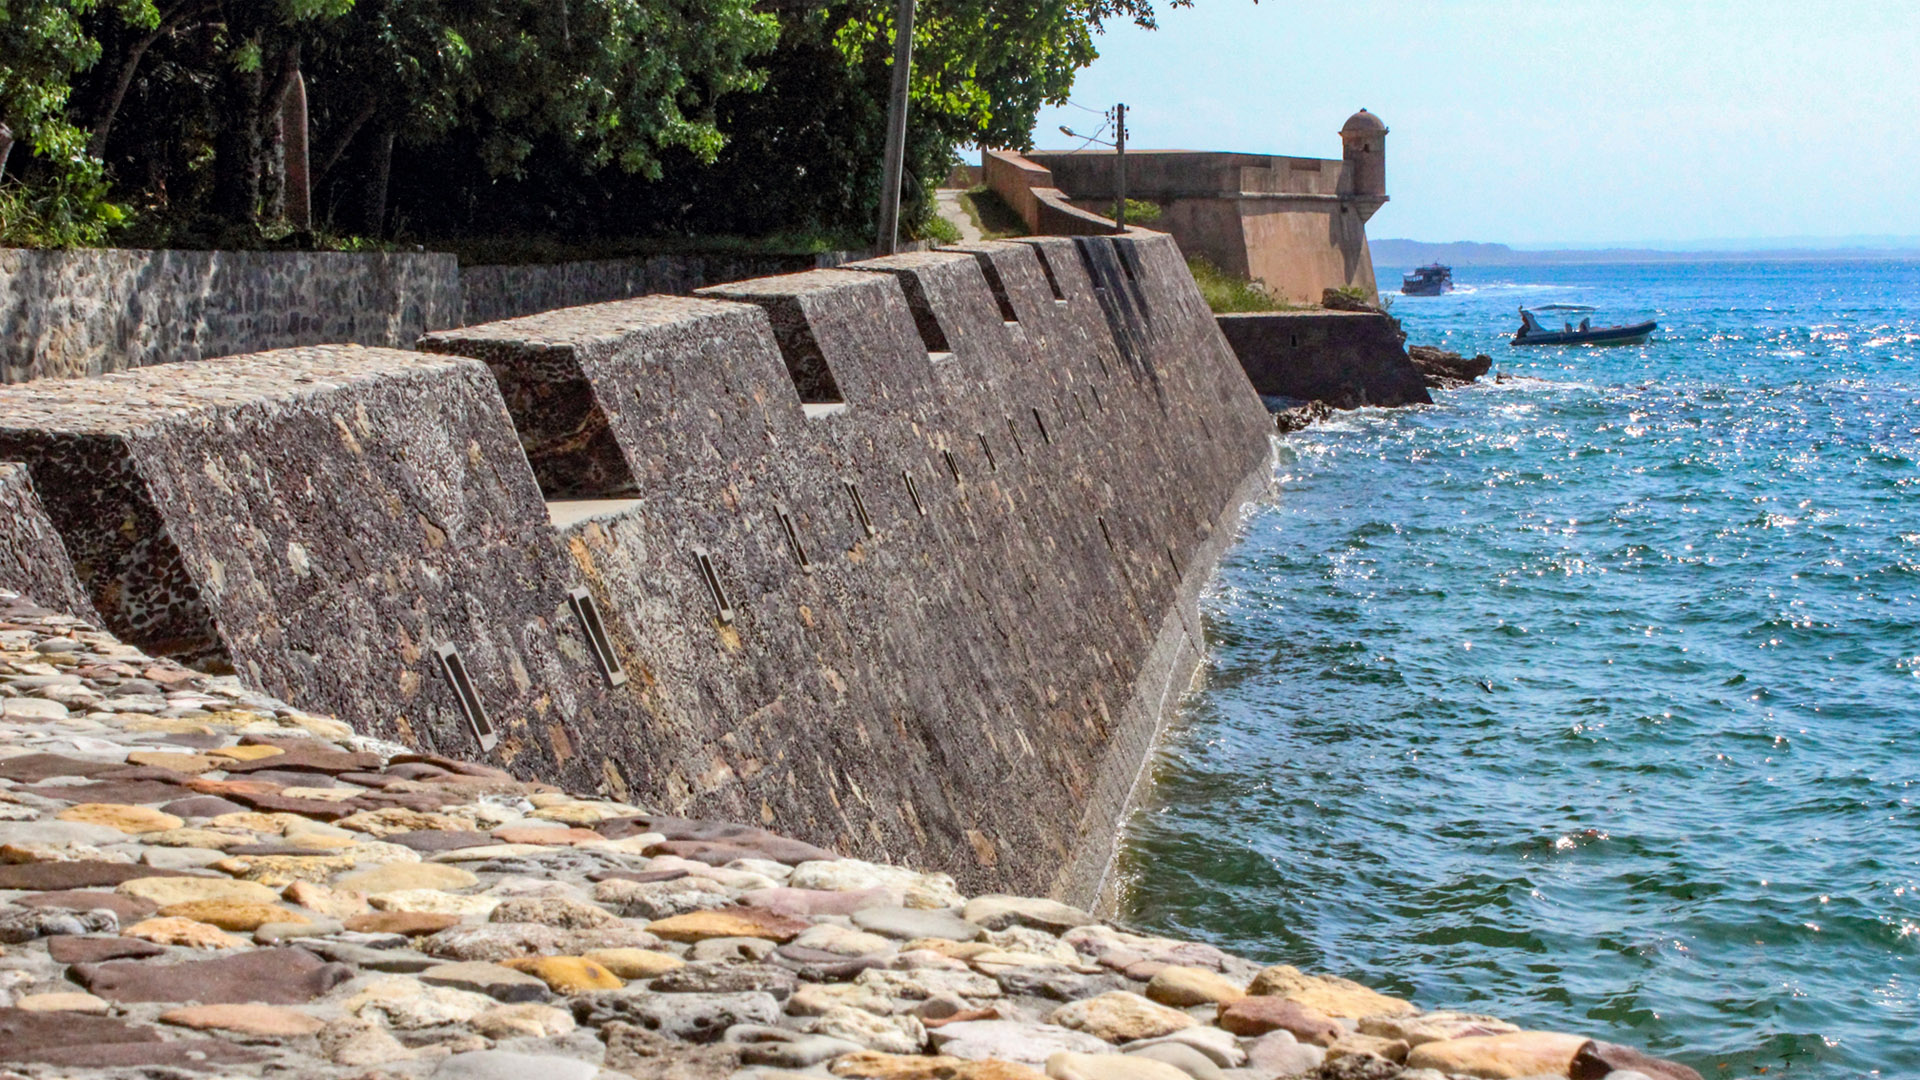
[[1590, 699]]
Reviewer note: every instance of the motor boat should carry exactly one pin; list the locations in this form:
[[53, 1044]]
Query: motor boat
[[1430, 280], [1532, 333]]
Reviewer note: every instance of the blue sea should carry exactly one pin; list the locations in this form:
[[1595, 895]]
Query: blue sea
[[1590, 698]]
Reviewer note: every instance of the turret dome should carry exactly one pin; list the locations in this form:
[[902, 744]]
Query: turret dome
[[1363, 122]]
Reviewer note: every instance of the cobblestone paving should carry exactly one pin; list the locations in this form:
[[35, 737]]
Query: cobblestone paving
[[197, 880]]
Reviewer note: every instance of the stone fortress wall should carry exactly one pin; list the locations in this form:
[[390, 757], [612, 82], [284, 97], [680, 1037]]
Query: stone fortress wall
[[65, 314], [1295, 224], [903, 556]]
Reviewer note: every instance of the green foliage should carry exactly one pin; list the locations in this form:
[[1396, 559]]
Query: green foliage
[[1143, 211], [939, 230], [1225, 292], [575, 119], [68, 208]]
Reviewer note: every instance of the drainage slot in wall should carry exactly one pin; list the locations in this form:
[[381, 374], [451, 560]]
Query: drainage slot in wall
[[1042, 425], [1171, 561], [712, 578], [1097, 403], [998, 287], [913, 491], [1126, 254], [588, 612], [1082, 406], [987, 449], [793, 537], [1104, 532], [859, 506], [1046, 269], [1014, 432], [952, 465], [454, 670]]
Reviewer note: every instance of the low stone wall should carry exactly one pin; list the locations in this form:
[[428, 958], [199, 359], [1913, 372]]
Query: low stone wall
[[492, 293], [71, 313], [1345, 358], [33, 561], [1028, 188]]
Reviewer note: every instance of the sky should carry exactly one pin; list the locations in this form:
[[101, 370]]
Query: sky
[[1575, 122]]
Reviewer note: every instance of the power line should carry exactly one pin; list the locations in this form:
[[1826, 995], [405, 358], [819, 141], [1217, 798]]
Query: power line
[[1083, 108]]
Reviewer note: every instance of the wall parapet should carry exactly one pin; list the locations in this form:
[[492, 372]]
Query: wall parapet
[[89, 312], [1028, 188]]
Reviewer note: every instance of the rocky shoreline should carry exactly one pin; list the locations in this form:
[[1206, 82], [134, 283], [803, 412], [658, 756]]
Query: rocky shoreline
[[197, 880]]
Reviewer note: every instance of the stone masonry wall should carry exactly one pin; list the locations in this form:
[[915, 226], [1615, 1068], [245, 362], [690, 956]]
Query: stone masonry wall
[[962, 668], [33, 561], [973, 681], [72, 313], [1345, 358], [317, 521]]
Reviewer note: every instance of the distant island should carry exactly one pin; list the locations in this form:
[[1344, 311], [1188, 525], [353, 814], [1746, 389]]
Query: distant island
[[1389, 254]]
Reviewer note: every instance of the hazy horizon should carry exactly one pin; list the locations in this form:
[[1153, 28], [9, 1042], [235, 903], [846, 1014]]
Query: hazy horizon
[[1579, 125]]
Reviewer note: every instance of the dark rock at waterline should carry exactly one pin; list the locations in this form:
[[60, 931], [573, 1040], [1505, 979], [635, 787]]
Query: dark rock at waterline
[[1445, 370], [1301, 416], [1596, 1059]]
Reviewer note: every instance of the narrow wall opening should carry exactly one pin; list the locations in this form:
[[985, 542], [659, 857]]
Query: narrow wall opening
[[998, 285]]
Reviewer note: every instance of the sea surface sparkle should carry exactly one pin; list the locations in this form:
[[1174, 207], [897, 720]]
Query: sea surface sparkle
[[1590, 699]]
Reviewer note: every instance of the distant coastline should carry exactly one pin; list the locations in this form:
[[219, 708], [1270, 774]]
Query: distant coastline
[[1409, 253]]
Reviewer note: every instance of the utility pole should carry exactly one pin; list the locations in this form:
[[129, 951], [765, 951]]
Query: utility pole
[[1120, 165], [889, 239]]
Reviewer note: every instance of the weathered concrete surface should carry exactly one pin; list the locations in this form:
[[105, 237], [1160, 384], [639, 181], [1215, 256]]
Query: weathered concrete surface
[[33, 561], [72, 313], [971, 683], [1347, 359], [319, 520]]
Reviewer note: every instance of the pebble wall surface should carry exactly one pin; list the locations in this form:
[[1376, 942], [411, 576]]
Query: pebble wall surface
[[200, 880]]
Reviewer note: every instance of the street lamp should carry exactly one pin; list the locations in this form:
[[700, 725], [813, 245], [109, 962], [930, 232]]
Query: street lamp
[[1119, 145]]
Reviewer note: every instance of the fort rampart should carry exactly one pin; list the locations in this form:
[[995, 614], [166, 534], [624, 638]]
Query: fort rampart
[[65, 314], [902, 555]]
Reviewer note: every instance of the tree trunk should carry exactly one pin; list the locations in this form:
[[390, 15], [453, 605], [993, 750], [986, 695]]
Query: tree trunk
[[293, 121], [346, 137], [377, 182], [170, 22], [236, 148], [6, 148]]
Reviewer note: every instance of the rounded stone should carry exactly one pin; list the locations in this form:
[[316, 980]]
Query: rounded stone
[[127, 819], [395, 877], [566, 974], [1181, 987], [1498, 1057], [62, 1001], [1256, 1016], [636, 963], [266, 1021], [232, 914], [185, 933], [1121, 1016], [1067, 1065], [168, 891]]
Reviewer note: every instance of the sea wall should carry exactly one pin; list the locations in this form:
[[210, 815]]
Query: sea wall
[[902, 555], [33, 561], [1345, 358], [74, 313]]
